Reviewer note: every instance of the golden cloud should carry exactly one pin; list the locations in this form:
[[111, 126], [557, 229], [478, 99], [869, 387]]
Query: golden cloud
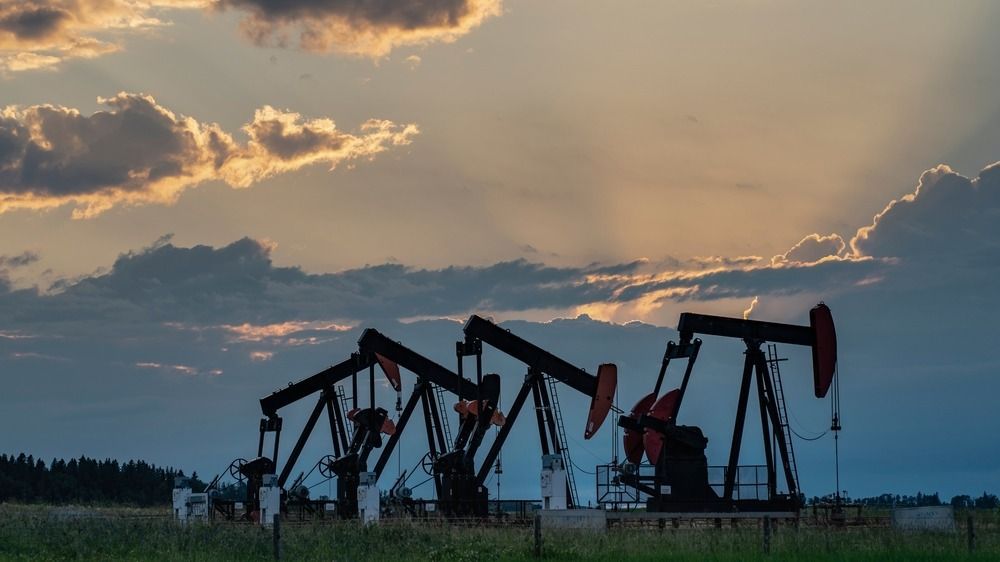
[[261, 332], [177, 369], [41, 34], [139, 152], [812, 249], [259, 356]]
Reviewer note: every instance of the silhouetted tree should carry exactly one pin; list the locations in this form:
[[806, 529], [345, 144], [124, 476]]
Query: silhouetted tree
[[987, 501], [963, 501], [26, 479]]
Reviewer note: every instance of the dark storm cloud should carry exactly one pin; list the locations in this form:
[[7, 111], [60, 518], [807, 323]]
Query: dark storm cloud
[[401, 13], [948, 220], [139, 152], [32, 21], [238, 283], [361, 27]]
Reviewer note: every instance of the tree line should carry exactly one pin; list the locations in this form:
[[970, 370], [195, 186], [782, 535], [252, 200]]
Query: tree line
[[985, 501], [26, 479]]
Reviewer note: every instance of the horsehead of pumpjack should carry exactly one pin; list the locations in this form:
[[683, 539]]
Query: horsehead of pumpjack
[[544, 369], [600, 388], [368, 424], [452, 464]]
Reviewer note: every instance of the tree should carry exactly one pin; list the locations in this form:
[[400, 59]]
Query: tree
[[84, 480], [987, 501], [963, 501]]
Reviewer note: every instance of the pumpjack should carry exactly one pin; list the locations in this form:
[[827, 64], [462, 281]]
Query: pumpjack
[[460, 492], [350, 452], [541, 364], [680, 481]]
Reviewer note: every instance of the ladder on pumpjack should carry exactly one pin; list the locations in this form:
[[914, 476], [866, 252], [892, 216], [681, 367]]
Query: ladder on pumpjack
[[443, 409], [345, 403], [341, 397], [773, 362], [556, 414]]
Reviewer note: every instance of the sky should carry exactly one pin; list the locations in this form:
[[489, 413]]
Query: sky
[[202, 200]]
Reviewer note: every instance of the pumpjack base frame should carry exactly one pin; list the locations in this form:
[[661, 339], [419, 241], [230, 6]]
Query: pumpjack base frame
[[310, 509], [226, 509], [647, 485], [661, 517], [776, 505]]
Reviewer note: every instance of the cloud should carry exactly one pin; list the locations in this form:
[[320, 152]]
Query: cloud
[[707, 262], [41, 34], [139, 152], [236, 293], [178, 369], [15, 335], [948, 219], [237, 289], [255, 333], [946, 232], [8, 263], [261, 355], [280, 334], [360, 27], [283, 141], [812, 249], [34, 355], [20, 260]]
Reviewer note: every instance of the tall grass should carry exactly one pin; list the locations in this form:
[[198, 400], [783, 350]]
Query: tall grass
[[41, 533]]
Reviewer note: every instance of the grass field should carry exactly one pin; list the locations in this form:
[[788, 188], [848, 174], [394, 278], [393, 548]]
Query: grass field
[[60, 533]]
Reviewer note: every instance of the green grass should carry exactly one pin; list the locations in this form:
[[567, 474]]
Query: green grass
[[48, 533]]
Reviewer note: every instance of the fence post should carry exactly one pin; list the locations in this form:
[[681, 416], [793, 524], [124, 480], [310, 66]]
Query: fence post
[[538, 535], [972, 534], [276, 535], [767, 534]]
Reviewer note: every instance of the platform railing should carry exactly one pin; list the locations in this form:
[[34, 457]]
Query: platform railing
[[614, 493]]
